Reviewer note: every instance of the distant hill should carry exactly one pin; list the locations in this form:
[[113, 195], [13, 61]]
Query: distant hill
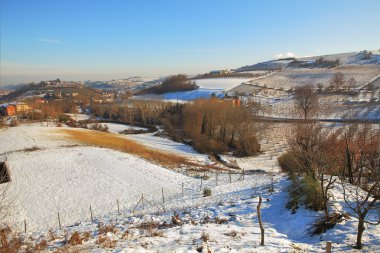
[[321, 61]]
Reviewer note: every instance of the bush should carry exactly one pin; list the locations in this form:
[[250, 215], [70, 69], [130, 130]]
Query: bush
[[205, 237], [247, 146], [305, 191], [209, 146], [289, 163], [75, 239], [41, 246], [99, 127], [207, 192], [63, 118], [14, 122], [312, 193], [9, 242]]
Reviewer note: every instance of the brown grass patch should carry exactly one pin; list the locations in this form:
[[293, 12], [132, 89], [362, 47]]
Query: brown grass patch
[[104, 229], [75, 239], [41, 246], [113, 141], [9, 242]]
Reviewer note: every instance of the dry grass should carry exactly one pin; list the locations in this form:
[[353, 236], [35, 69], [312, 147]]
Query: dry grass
[[9, 242], [113, 141], [41, 246], [75, 239], [104, 229]]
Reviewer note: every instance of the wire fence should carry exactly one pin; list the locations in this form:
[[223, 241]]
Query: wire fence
[[158, 200]]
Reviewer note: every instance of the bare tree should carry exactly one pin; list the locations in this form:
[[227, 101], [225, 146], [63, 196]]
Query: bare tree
[[360, 178], [351, 83], [337, 81], [306, 101], [315, 152]]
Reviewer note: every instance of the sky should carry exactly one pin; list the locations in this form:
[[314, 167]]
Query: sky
[[103, 40]]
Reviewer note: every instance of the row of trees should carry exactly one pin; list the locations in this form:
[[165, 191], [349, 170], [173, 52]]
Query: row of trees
[[171, 84], [318, 159], [215, 126], [144, 113], [338, 82], [210, 125]]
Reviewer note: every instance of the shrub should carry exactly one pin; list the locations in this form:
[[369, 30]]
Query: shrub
[[63, 118], [312, 193], [75, 239], [209, 146], [207, 192], [247, 145], [323, 224], [14, 122], [99, 127], [106, 229], [205, 237], [41, 246], [289, 163], [9, 242], [305, 191]]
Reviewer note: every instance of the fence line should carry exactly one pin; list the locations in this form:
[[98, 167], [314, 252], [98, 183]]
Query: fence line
[[138, 207]]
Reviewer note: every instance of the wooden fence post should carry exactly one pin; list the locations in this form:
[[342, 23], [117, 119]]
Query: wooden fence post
[[163, 196], [92, 219], [260, 222], [142, 200], [230, 176], [25, 226], [328, 247], [59, 222], [118, 208]]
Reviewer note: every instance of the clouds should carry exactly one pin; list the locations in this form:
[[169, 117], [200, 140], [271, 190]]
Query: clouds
[[285, 55], [50, 41]]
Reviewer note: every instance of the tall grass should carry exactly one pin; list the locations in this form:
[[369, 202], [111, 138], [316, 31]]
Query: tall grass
[[113, 141]]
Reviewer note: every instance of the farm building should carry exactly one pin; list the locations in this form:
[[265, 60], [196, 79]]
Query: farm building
[[8, 109], [218, 72]]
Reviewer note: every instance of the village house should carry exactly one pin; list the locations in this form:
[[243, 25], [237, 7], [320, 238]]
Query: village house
[[8, 109]]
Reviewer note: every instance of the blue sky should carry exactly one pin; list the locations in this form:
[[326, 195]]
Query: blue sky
[[101, 40]]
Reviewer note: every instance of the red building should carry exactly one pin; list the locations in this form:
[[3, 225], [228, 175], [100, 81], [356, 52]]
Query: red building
[[8, 109]]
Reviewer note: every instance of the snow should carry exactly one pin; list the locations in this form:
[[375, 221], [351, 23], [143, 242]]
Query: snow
[[78, 116], [220, 83], [117, 128], [183, 96], [164, 144], [66, 178], [69, 180]]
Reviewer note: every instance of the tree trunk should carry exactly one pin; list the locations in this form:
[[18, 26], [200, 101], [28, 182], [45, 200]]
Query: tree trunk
[[361, 228], [260, 222]]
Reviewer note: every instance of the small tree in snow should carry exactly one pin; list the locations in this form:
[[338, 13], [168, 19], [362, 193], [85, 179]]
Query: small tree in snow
[[337, 81], [360, 178], [305, 101]]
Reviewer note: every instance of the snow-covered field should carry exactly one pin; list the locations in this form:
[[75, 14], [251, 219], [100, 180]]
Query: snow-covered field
[[182, 96], [79, 116], [167, 145], [117, 128], [67, 178], [60, 177], [289, 78], [220, 83]]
